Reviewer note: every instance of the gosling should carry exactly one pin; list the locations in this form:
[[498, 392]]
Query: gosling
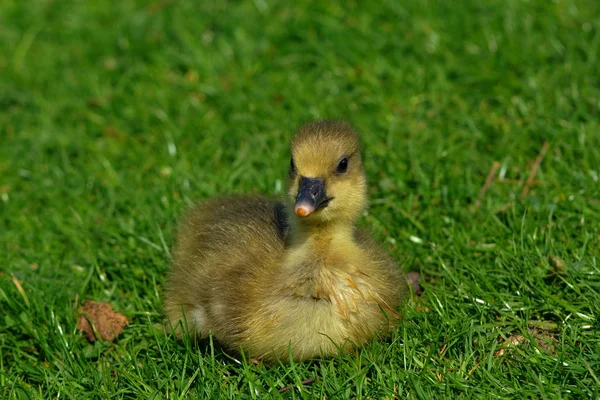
[[288, 279]]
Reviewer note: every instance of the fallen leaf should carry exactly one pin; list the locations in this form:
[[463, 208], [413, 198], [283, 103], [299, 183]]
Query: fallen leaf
[[305, 382], [544, 340], [414, 280], [558, 266], [99, 319], [511, 341]]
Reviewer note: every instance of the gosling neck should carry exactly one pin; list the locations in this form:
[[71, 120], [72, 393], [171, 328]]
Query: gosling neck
[[303, 232]]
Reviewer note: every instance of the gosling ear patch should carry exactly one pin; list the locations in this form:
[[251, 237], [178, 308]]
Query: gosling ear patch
[[280, 217]]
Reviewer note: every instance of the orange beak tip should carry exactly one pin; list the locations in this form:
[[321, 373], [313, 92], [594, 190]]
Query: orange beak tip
[[302, 211]]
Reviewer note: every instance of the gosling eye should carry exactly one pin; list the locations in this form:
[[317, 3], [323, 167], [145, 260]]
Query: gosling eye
[[292, 168], [342, 166]]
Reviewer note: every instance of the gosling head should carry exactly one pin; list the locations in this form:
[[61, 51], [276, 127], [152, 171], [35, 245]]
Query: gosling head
[[327, 181]]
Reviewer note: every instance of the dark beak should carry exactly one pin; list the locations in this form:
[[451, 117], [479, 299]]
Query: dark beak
[[311, 196]]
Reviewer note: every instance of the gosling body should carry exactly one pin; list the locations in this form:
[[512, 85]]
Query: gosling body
[[278, 279]]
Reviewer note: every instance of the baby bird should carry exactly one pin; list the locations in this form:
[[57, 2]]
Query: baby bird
[[288, 279]]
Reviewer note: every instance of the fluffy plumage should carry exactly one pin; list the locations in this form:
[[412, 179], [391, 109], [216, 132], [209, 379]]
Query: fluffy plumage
[[278, 278]]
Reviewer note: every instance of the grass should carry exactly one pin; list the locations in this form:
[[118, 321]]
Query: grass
[[115, 116]]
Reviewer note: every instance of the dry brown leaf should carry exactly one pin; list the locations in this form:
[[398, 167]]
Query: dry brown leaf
[[543, 339], [558, 265], [414, 281], [511, 341], [97, 318], [305, 382]]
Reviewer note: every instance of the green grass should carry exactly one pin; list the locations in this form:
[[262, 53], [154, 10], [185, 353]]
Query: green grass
[[115, 116]]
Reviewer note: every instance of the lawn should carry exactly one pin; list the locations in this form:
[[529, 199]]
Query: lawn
[[480, 123]]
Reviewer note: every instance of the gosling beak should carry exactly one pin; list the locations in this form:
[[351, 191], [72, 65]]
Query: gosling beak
[[311, 196]]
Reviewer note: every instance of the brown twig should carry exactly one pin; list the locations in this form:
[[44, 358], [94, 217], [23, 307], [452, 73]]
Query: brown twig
[[20, 289], [304, 383], [443, 348], [471, 371], [534, 169], [486, 185]]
